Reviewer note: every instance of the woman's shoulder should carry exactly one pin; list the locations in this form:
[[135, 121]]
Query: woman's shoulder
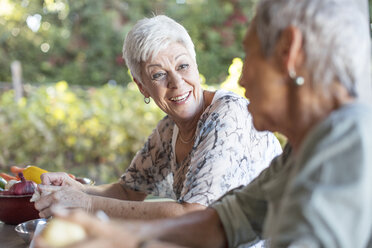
[[226, 97], [164, 128], [227, 110], [354, 116], [166, 121], [337, 150], [358, 111], [229, 103], [346, 129], [353, 120]]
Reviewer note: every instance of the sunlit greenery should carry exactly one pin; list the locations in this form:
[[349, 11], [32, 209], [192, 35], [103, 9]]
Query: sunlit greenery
[[80, 41], [81, 112], [93, 131]]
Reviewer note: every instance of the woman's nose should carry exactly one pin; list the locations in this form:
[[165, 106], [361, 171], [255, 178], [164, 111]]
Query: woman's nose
[[174, 80]]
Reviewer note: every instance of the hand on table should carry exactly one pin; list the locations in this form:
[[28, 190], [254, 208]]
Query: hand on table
[[65, 197]]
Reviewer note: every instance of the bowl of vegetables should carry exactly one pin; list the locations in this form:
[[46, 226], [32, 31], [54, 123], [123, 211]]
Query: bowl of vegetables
[[16, 192], [15, 205]]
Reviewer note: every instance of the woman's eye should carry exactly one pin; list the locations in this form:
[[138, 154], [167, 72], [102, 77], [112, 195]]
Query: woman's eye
[[183, 66], [158, 76]]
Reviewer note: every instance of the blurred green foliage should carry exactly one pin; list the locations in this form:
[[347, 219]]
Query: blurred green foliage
[[91, 132], [90, 127], [80, 41], [88, 131]]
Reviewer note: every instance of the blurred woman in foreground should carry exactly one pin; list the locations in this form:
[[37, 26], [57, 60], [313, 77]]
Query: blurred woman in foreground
[[303, 63]]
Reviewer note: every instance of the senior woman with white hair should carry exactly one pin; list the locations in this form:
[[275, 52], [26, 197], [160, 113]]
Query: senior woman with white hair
[[303, 63], [204, 147]]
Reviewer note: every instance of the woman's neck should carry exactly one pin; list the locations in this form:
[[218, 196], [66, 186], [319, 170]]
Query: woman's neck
[[187, 128], [311, 110]]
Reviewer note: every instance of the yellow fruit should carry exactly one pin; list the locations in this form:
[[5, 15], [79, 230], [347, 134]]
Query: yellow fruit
[[33, 173], [61, 233]]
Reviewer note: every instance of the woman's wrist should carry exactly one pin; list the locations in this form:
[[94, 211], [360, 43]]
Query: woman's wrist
[[84, 188], [74, 184], [88, 203]]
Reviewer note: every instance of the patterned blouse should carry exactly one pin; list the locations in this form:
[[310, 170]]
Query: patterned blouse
[[227, 152]]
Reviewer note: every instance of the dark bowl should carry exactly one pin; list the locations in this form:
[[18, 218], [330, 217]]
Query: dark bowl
[[15, 209]]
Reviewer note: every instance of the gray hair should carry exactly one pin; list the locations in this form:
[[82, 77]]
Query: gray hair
[[151, 35], [336, 37]]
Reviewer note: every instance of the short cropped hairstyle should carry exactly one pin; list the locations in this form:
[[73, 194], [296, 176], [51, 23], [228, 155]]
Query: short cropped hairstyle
[[336, 37], [148, 37]]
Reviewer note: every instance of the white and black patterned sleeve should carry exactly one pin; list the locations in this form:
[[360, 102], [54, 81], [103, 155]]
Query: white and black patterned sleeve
[[228, 152], [149, 170]]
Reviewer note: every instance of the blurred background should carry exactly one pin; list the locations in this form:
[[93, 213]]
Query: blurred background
[[67, 101], [80, 41]]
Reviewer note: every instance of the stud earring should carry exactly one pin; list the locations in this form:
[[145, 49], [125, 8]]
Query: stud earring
[[298, 80], [146, 100]]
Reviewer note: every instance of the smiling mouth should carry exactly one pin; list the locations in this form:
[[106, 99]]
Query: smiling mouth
[[181, 98]]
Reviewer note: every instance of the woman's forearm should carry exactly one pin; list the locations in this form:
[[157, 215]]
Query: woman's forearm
[[198, 229], [115, 190], [141, 210]]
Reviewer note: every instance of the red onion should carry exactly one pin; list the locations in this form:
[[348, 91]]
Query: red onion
[[24, 187]]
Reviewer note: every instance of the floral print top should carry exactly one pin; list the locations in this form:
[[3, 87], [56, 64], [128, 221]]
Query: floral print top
[[228, 152]]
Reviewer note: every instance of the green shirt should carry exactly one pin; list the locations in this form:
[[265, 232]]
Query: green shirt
[[321, 197]]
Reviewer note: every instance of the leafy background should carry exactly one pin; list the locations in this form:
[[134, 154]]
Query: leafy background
[[80, 41], [88, 131], [81, 111]]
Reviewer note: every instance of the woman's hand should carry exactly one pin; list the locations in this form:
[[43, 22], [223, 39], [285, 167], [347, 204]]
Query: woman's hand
[[110, 234], [60, 179], [66, 197], [99, 233]]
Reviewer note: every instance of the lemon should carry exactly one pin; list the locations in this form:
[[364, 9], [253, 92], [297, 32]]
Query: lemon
[[33, 173]]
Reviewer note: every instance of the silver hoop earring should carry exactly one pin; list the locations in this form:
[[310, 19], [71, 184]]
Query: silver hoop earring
[[146, 100], [298, 80]]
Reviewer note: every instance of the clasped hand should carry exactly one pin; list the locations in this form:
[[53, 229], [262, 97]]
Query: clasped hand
[[69, 195]]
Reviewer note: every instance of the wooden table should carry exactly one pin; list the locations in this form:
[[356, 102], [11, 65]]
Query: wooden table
[[9, 238]]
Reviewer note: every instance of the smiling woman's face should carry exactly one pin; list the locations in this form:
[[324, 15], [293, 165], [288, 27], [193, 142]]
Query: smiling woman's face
[[172, 80]]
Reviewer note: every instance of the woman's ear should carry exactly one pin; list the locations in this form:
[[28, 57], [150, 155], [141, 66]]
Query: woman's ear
[[289, 49], [141, 88]]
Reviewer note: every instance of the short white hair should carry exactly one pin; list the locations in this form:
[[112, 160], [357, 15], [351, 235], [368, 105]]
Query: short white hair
[[151, 35], [336, 37]]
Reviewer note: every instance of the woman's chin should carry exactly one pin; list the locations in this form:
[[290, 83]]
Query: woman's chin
[[259, 124], [258, 127]]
